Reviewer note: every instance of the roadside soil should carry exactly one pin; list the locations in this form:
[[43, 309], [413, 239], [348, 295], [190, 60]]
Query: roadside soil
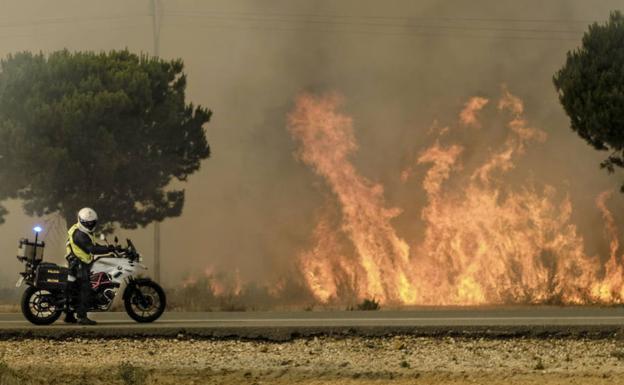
[[326, 360]]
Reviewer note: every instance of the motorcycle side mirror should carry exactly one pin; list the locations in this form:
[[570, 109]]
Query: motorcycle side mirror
[[116, 239]]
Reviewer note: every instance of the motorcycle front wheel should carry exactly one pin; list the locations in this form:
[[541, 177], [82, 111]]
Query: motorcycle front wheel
[[144, 301], [37, 307]]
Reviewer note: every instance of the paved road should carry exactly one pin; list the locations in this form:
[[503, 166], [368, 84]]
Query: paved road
[[284, 325]]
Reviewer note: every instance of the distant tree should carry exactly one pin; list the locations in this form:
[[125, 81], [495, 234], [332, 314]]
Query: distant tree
[[591, 89], [105, 130]]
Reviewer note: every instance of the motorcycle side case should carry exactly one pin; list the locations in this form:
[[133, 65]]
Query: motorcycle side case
[[51, 277]]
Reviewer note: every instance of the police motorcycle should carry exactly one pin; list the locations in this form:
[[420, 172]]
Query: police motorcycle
[[52, 290]]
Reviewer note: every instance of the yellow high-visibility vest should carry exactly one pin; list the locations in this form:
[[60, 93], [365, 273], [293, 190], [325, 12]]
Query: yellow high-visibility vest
[[72, 248]]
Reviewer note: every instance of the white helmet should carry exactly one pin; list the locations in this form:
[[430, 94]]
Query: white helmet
[[87, 219]]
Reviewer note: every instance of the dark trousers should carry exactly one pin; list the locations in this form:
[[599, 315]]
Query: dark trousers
[[82, 271]]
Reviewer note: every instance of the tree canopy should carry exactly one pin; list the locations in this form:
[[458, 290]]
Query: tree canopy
[[591, 89], [105, 130]]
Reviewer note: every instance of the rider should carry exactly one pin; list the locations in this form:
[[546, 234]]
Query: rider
[[81, 247]]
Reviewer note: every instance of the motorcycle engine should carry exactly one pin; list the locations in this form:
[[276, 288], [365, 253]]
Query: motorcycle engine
[[103, 287]]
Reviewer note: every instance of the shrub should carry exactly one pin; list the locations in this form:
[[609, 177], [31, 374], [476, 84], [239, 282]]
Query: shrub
[[539, 365], [619, 354], [131, 375], [368, 304], [8, 375]]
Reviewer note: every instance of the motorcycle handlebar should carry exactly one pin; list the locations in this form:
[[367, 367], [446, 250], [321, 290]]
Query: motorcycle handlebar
[[124, 252]]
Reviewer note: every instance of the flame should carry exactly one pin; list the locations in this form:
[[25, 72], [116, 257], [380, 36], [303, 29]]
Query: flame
[[611, 289], [468, 116], [219, 283], [276, 290], [328, 141], [483, 243], [317, 273]]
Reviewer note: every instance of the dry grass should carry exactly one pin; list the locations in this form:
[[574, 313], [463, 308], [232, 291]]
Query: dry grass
[[324, 360], [113, 376]]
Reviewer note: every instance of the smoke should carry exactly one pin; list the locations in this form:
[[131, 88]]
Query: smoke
[[254, 207]]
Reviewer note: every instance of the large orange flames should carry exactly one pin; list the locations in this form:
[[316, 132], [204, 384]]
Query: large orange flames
[[483, 242]]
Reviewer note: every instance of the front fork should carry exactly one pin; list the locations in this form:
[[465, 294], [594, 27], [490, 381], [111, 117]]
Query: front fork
[[133, 286]]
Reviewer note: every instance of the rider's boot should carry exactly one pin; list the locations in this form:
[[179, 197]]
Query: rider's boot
[[86, 321], [70, 318]]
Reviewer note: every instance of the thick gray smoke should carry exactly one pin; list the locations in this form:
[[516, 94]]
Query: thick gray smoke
[[252, 206]]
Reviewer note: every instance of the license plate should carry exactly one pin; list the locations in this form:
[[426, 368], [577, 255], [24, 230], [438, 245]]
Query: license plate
[[19, 282]]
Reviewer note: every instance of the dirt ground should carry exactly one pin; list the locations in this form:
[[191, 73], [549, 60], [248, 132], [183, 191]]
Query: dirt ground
[[357, 361]]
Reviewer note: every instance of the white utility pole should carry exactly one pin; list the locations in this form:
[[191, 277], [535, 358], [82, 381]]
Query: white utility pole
[[156, 18]]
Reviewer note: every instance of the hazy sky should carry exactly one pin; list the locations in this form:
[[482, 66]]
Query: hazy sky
[[400, 66]]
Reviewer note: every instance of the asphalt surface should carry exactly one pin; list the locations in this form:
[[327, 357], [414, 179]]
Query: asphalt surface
[[495, 322]]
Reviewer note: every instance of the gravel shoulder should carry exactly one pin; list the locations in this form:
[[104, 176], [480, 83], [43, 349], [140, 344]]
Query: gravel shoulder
[[323, 360]]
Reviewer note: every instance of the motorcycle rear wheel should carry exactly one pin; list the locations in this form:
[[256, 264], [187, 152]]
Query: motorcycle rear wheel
[[36, 307], [145, 301]]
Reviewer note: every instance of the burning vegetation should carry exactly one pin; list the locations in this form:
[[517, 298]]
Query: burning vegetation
[[483, 241]]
